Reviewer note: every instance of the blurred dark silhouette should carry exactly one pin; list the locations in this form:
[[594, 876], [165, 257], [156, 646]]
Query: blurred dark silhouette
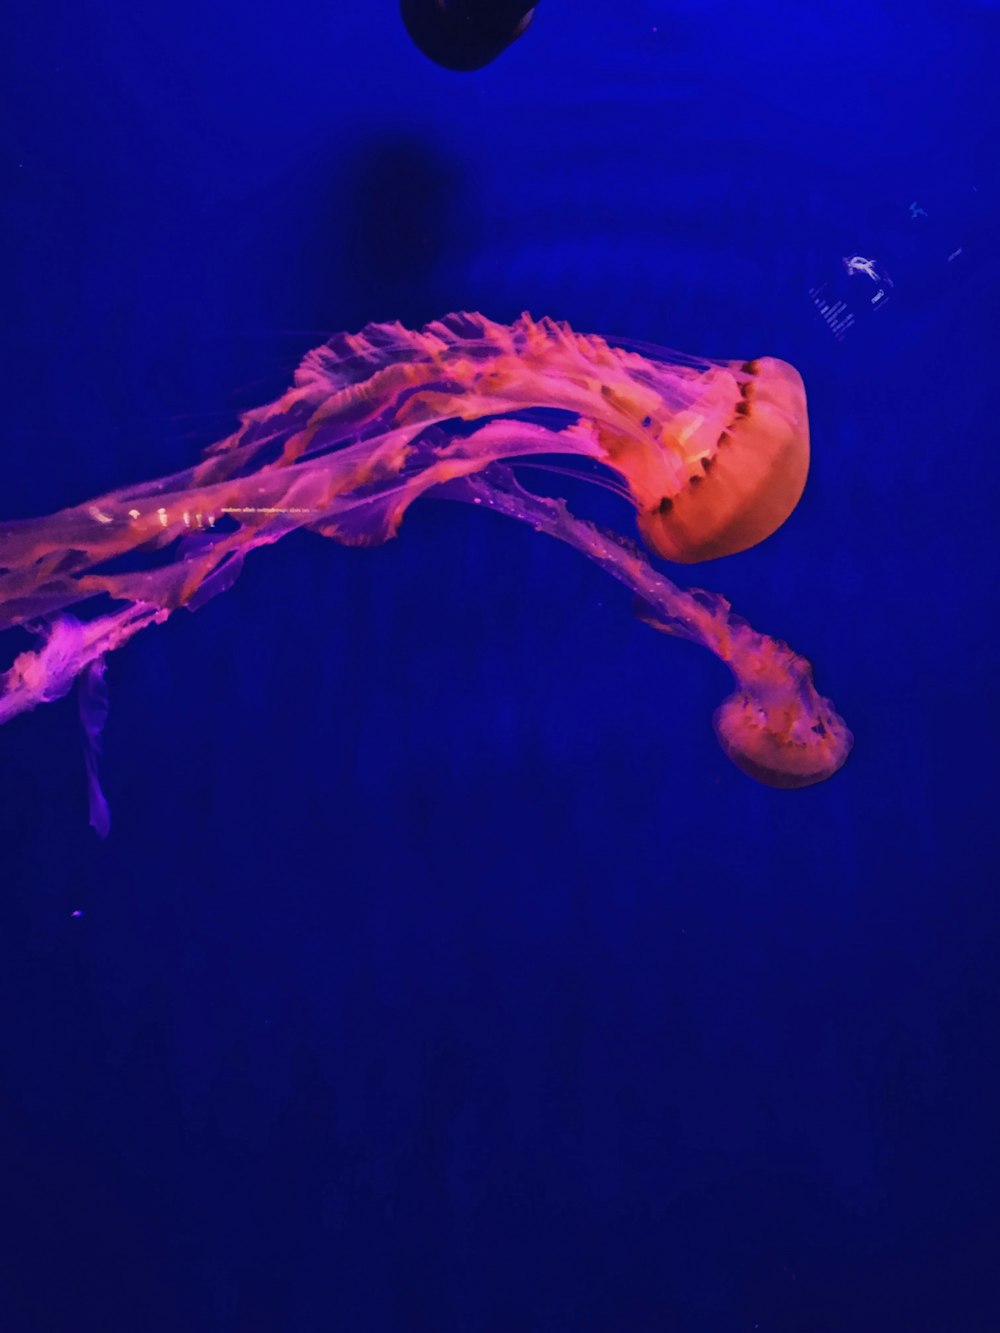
[[465, 34], [389, 260]]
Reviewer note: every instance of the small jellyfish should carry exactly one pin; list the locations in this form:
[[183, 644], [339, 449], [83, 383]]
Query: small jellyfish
[[712, 455]]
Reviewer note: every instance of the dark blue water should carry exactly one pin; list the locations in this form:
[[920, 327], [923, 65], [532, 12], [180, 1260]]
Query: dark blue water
[[440, 973]]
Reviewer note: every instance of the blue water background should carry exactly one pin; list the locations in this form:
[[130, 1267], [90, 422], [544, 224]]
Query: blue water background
[[440, 973]]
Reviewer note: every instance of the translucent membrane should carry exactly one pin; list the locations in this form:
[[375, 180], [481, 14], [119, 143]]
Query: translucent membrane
[[712, 455]]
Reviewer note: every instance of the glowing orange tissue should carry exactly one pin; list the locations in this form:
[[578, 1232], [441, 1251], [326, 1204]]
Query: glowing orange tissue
[[713, 457]]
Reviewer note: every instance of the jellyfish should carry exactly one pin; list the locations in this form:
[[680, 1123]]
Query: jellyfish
[[465, 34], [712, 456]]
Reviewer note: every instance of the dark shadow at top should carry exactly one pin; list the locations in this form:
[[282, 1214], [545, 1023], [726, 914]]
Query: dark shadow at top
[[399, 207]]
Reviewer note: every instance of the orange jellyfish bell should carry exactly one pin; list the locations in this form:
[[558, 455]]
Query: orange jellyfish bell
[[744, 455], [783, 745]]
